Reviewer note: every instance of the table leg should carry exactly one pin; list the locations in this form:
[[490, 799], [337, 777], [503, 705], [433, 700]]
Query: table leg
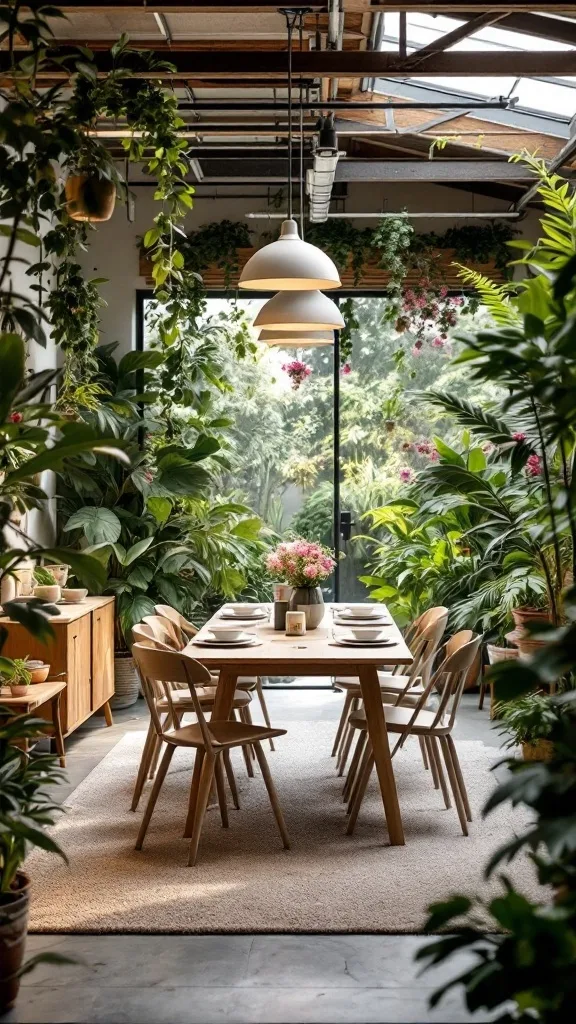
[[57, 726], [378, 734], [108, 713]]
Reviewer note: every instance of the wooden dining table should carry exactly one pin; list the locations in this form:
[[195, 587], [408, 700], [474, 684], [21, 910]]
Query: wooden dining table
[[315, 654]]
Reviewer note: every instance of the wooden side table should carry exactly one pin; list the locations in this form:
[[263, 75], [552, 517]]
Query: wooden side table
[[40, 694]]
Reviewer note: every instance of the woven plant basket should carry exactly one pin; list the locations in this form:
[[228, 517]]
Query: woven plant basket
[[126, 682], [538, 750]]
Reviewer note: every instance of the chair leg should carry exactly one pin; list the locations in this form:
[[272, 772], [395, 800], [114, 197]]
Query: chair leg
[[351, 777], [348, 740], [459, 776], [264, 707], [359, 774], [342, 723], [144, 766], [431, 762], [454, 784], [231, 778], [423, 752], [245, 751], [192, 799], [221, 790], [201, 804], [161, 775], [247, 716], [272, 794], [441, 778], [361, 789], [354, 705], [482, 692]]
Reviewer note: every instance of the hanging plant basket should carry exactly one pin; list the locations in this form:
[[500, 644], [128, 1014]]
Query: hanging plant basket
[[90, 198]]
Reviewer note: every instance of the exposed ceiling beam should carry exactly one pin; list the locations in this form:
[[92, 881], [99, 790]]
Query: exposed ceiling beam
[[564, 156], [220, 65], [431, 170], [462, 31], [235, 6], [539, 26]]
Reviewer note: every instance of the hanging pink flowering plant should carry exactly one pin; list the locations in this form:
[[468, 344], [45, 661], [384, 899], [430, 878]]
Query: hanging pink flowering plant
[[297, 371], [300, 563]]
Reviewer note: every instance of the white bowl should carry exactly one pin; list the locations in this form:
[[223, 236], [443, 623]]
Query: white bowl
[[48, 592], [365, 633], [227, 634], [74, 595], [360, 611], [245, 611]]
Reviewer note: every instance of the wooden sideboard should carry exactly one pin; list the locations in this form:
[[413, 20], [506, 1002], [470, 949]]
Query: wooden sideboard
[[82, 649]]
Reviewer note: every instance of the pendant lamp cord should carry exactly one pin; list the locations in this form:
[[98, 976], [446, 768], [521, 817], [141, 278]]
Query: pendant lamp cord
[[291, 19], [300, 33]]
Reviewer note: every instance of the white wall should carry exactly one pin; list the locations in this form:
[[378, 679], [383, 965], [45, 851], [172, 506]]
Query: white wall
[[113, 251]]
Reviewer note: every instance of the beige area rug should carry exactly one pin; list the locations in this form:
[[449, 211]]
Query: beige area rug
[[244, 880]]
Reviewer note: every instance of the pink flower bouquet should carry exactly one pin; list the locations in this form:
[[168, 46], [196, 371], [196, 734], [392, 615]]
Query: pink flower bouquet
[[300, 563]]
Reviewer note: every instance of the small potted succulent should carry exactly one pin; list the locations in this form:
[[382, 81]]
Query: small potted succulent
[[528, 722], [17, 675]]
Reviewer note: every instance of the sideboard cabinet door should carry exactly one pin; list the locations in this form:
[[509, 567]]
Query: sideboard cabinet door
[[78, 703], [102, 655]]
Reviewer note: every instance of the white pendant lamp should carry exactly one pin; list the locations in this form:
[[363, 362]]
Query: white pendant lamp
[[300, 311], [290, 264], [297, 339]]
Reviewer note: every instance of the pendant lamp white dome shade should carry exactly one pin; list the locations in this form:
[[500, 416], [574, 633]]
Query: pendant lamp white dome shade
[[300, 311], [289, 264], [297, 339]]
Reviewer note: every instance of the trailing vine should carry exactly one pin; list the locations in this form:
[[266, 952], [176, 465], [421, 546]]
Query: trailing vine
[[217, 244]]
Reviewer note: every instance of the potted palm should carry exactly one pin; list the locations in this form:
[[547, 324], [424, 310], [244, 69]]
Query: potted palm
[[25, 808], [528, 722]]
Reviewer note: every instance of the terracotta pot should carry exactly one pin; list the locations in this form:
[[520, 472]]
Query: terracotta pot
[[523, 615], [19, 690], [13, 929], [39, 671], [310, 601], [529, 647], [496, 654], [90, 198], [538, 750]]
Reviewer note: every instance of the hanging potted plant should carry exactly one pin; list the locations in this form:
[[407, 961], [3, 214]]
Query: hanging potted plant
[[25, 809], [92, 183], [528, 722], [303, 565]]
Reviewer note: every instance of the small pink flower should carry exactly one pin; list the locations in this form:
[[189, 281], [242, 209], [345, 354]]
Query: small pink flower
[[148, 476], [416, 348], [534, 466], [406, 475], [457, 300], [346, 369], [443, 291], [311, 571], [16, 417], [438, 342], [434, 455], [519, 436]]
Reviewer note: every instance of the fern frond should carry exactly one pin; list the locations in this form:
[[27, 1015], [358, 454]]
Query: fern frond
[[496, 297], [476, 419]]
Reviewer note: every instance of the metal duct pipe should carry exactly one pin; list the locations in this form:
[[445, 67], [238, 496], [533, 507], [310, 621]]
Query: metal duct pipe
[[456, 215]]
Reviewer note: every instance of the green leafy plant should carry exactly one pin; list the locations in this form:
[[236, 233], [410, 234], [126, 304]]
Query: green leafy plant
[[15, 671], [43, 576], [528, 719]]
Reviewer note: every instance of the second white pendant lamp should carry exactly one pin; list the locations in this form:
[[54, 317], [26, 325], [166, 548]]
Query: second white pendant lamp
[[297, 339], [289, 264], [300, 311]]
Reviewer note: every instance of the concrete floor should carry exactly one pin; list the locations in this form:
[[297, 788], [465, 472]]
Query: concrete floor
[[258, 979]]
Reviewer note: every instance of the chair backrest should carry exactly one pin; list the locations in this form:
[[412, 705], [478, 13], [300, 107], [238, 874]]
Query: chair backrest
[[164, 630], [143, 633], [448, 679], [162, 670], [425, 644], [188, 629]]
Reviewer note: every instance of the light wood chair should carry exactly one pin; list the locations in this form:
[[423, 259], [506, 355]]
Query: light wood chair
[[187, 630], [212, 741], [183, 704], [426, 633], [163, 628], [434, 726]]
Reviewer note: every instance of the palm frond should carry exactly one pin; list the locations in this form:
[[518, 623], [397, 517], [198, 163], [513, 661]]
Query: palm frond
[[496, 297]]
